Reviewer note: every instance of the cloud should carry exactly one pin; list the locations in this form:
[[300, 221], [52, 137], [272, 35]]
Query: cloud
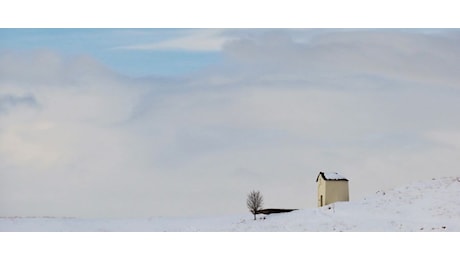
[[9, 101], [275, 112], [35, 67], [62, 149], [390, 55], [190, 40]]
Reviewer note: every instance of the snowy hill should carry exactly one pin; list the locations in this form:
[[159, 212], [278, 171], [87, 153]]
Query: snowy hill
[[432, 205]]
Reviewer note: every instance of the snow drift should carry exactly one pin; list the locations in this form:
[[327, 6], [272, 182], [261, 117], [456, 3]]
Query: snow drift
[[432, 205]]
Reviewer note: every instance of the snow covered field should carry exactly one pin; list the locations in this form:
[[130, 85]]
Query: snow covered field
[[432, 205]]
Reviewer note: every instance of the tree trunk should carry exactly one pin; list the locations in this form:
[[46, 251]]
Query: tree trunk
[[254, 216]]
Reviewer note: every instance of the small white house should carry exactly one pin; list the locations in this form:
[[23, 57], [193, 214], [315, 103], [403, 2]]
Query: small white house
[[332, 187]]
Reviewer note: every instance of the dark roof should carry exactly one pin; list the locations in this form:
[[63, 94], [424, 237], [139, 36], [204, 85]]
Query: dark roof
[[331, 176]]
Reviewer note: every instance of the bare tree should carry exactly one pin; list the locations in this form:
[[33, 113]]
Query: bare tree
[[255, 202]]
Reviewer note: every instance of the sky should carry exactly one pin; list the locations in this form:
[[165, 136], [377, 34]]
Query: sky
[[186, 122]]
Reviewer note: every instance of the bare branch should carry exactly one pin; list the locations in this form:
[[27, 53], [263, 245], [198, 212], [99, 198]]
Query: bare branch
[[254, 202]]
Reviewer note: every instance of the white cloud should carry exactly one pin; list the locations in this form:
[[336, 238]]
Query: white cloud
[[190, 40], [392, 55]]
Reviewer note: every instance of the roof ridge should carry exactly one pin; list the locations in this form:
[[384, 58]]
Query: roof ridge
[[331, 176]]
